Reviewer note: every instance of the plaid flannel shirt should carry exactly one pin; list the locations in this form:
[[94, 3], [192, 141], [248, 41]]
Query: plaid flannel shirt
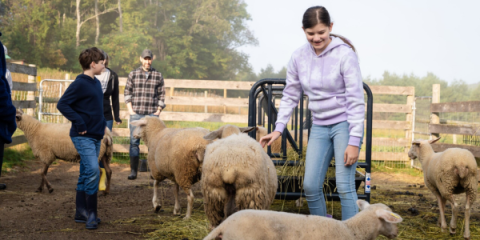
[[145, 92]]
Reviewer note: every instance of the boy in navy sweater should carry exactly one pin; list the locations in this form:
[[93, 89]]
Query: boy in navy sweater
[[82, 104]]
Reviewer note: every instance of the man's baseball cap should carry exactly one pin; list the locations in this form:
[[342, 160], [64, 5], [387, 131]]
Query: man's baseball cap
[[147, 53]]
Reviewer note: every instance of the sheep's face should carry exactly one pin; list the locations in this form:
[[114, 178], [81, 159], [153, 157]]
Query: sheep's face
[[416, 146], [18, 115], [139, 128], [388, 219]]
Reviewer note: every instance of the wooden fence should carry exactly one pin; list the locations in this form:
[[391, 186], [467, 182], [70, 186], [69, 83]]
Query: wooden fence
[[30, 87], [449, 128], [175, 84]]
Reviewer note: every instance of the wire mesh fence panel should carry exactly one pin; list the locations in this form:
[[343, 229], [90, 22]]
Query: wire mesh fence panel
[[421, 122]]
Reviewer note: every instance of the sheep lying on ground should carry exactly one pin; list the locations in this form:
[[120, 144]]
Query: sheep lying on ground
[[176, 154], [50, 141], [237, 174], [372, 221], [452, 171]]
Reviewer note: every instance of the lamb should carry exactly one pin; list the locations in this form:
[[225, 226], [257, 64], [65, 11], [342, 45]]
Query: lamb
[[50, 141], [452, 171], [237, 174], [176, 154], [374, 220]]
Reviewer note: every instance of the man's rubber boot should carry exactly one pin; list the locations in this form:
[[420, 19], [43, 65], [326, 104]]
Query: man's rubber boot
[[81, 208], [103, 180], [91, 201], [3, 186], [133, 167]]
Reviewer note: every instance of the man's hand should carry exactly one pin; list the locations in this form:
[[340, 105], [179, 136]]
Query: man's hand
[[118, 123], [157, 113], [131, 112], [82, 133], [351, 155]]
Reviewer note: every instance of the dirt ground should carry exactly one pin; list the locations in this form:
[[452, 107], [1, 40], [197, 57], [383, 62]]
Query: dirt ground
[[127, 213]]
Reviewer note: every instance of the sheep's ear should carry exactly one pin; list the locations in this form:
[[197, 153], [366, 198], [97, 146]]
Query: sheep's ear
[[416, 142], [388, 216], [139, 123], [247, 129], [362, 204], [108, 140], [433, 140], [214, 135], [200, 154]]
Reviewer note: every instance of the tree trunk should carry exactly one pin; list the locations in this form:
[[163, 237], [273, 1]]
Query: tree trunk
[[78, 24], [97, 19], [120, 19]]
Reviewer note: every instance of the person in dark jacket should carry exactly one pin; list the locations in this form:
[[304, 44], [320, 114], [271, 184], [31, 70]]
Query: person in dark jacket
[[7, 110], [109, 81], [82, 104]]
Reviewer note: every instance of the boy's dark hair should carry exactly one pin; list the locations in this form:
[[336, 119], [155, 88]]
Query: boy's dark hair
[[90, 55]]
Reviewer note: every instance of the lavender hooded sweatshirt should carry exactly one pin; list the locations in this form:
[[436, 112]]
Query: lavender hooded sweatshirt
[[333, 83]]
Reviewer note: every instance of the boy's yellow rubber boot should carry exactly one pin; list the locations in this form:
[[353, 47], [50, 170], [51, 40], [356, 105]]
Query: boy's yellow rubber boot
[[102, 184]]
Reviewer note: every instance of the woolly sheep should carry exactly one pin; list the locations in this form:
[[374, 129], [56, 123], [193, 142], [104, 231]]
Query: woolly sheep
[[374, 220], [237, 174], [276, 146], [452, 171], [50, 141], [176, 154]]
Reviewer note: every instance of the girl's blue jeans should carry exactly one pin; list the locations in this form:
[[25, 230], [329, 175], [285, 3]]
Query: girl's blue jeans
[[89, 149], [324, 143]]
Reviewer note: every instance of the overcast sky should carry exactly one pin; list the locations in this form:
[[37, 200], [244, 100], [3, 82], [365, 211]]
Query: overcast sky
[[400, 36]]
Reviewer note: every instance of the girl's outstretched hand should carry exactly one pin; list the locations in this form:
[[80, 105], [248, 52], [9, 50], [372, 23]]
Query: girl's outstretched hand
[[270, 138], [351, 155]]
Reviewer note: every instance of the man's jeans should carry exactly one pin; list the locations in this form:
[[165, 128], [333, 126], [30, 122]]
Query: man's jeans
[[89, 149], [134, 149], [323, 144]]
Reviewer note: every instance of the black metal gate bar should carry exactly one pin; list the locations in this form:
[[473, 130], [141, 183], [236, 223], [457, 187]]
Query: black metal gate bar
[[267, 91]]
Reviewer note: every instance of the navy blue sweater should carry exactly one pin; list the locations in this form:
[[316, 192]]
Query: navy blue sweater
[[82, 104], [7, 110]]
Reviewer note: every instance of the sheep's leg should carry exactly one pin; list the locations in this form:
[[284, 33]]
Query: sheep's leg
[[108, 171], [471, 193], [299, 202], [157, 205], [453, 222], [190, 198], [49, 186], [214, 205], [42, 182], [441, 207], [177, 210]]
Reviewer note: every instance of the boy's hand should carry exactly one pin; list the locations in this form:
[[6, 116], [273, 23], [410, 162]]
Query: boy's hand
[[82, 133]]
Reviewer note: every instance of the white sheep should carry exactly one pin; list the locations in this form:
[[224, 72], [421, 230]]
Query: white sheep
[[50, 141], [236, 174], [176, 154], [446, 173], [276, 146], [372, 221]]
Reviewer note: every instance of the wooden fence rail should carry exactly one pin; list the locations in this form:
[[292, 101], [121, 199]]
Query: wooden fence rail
[[462, 129]]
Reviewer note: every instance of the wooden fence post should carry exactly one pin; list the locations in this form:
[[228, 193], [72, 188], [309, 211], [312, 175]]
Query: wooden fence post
[[206, 108], [435, 117], [224, 96], [30, 94], [67, 77]]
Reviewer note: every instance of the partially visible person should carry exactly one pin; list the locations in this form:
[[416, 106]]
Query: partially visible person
[[7, 111], [109, 81], [8, 75], [82, 104], [144, 96]]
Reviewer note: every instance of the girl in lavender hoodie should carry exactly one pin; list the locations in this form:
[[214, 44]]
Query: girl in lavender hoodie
[[327, 70]]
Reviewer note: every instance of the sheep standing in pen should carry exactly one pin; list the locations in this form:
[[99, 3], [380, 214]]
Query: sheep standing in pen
[[176, 154], [372, 221], [50, 141], [236, 174], [276, 146], [446, 173]]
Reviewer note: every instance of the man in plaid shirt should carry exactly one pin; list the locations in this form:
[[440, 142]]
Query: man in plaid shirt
[[144, 96]]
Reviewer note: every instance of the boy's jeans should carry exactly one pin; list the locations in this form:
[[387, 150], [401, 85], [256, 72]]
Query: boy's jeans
[[324, 143], [134, 149], [89, 149]]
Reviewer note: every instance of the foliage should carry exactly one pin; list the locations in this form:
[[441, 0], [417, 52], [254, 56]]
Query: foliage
[[190, 39]]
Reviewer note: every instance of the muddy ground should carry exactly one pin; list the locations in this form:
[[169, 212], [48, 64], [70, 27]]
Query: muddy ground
[[127, 213]]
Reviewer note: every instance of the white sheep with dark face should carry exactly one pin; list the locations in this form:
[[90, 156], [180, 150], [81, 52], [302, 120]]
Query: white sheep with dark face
[[446, 173]]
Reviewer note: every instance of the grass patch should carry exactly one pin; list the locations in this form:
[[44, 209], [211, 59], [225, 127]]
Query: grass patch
[[15, 157]]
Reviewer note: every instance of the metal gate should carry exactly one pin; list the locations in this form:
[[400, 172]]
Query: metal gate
[[263, 93], [50, 92]]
